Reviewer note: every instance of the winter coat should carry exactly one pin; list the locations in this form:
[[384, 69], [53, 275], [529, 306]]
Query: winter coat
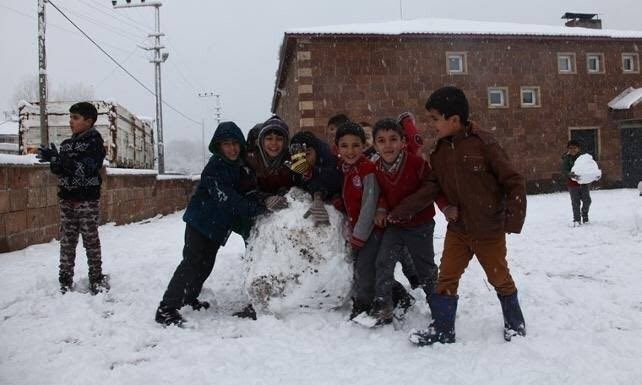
[[395, 187], [360, 195], [475, 174], [219, 202], [326, 177], [78, 165], [568, 161]]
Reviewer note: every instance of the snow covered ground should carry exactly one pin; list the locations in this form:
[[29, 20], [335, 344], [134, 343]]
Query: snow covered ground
[[580, 290]]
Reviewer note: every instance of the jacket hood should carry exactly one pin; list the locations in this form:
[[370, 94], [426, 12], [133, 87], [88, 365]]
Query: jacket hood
[[274, 124], [227, 130]]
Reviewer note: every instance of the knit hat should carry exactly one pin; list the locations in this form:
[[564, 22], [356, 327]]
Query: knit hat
[[274, 124], [305, 137]]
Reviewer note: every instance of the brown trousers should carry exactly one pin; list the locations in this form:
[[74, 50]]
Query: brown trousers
[[491, 254]]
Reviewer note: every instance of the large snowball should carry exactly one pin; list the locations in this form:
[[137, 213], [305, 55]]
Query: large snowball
[[291, 264], [586, 169]]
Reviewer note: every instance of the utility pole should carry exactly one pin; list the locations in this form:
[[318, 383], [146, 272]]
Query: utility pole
[[159, 57], [42, 77], [217, 114]]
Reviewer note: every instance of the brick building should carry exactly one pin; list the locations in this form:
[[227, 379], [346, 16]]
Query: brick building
[[535, 86]]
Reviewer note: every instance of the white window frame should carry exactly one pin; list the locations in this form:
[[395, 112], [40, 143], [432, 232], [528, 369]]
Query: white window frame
[[504, 97], [464, 63], [635, 60], [572, 63], [600, 63], [536, 96]]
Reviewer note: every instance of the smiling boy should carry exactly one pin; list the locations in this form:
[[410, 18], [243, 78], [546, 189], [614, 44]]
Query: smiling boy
[[78, 165]]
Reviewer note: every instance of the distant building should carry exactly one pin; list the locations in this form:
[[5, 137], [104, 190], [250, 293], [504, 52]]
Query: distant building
[[9, 134], [536, 86]]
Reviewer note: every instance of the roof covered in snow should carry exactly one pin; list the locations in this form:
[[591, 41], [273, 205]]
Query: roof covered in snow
[[627, 99], [462, 27], [9, 127]]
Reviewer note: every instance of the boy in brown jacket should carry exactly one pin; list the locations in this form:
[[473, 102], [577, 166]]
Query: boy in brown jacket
[[474, 173]]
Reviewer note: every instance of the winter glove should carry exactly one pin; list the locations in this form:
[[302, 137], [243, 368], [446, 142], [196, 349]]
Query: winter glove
[[298, 162], [276, 202], [47, 154], [318, 212], [406, 115]]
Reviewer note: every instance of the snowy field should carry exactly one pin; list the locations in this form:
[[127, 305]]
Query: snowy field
[[580, 289]]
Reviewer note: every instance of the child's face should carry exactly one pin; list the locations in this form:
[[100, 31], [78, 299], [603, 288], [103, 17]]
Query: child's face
[[573, 150], [311, 156], [368, 131], [389, 144], [273, 144], [230, 148], [350, 148], [79, 123], [444, 127], [330, 132]]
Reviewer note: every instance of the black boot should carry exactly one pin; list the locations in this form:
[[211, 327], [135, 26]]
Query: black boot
[[382, 311], [442, 329], [99, 284], [66, 282], [401, 299], [513, 319], [358, 307], [247, 312], [198, 305], [168, 316]]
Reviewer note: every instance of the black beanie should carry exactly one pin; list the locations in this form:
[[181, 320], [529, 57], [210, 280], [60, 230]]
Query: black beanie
[[305, 137]]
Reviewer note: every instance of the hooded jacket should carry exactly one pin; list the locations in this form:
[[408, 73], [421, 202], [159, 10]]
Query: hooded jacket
[[218, 201]]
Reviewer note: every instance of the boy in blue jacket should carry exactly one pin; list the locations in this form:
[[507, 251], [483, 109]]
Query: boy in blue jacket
[[210, 215]]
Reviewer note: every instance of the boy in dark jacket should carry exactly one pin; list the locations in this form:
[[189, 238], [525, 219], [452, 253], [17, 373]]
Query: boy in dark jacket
[[210, 215], [399, 174], [319, 174], [474, 173], [580, 193], [78, 165]]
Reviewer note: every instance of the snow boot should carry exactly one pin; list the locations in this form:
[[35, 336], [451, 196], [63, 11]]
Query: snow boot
[[382, 312], [99, 285], [247, 312], [358, 307], [442, 329], [66, 282], [198, 305], [585, 219], [401, 299], [513, 319], [168, 316]]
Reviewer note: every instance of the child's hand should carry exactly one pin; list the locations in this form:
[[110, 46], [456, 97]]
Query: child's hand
[[451, 213], [380, 218]]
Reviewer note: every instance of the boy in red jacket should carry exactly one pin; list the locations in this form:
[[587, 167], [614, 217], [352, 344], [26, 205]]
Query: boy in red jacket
[[399, 174], [360, 194]]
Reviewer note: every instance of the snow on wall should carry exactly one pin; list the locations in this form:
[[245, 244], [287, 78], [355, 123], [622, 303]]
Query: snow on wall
[[462, 27]]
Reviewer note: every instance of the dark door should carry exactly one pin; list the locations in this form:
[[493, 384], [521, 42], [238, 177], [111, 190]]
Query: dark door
[[588, 138], [631, 135]]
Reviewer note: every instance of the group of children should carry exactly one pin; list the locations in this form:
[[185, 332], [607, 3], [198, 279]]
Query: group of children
[[378, 177]]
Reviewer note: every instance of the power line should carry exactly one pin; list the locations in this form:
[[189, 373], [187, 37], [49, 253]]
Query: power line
[[119, 65], [113, 15]]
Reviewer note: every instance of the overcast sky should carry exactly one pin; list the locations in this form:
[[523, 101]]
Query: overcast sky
[[229, 47]]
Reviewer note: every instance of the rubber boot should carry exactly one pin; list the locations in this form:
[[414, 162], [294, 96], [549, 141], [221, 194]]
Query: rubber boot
[[513, 319], [442, 329]]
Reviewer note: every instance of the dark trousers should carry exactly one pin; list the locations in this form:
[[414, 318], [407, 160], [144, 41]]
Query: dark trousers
[[199, 254], [79, 218], [364, 268], [491, 254], [581, 201], [418, 241]]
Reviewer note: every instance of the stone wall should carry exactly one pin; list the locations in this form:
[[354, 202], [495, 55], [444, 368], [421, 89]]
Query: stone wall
[[29, 202]]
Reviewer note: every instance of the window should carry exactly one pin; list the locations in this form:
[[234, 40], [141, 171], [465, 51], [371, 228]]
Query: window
[[456, 63], [530, 97], [497, 97], [630, 63], [566, 63], [595, 63]]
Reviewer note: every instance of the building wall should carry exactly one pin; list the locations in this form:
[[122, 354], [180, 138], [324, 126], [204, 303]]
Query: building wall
[[373, 77], [29, 212]]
